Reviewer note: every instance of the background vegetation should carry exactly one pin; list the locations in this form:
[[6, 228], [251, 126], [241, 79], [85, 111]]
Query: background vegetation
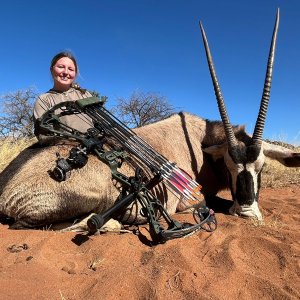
[[16, 128], [141, 108]]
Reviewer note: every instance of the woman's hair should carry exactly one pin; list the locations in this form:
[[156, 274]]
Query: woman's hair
[[61, 55]]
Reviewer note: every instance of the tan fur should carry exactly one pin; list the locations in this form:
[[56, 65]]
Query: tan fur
[[33, 198], [30, 196]]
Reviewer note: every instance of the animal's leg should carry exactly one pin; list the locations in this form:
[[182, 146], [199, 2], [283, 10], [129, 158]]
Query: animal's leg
[[110, 226]]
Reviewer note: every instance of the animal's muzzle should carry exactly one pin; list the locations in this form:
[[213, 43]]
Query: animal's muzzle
[[248, 211]]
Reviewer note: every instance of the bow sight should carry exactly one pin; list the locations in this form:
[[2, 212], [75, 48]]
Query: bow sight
[[130, 146]]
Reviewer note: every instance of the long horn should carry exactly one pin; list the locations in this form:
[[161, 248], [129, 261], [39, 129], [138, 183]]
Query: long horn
[[221, 104], [260, 122]]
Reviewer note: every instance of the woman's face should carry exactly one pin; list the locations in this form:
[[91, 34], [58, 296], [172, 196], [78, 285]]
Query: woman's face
[[63, 73]]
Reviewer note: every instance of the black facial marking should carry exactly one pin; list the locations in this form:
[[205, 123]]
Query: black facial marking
[[252, 153], [245, 194], [244, 154], [258, 184]]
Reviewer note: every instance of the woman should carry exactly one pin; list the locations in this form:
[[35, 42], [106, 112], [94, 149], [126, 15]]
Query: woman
[[64, 70]]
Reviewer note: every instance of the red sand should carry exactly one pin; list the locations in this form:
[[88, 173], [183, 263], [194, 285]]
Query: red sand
[[240, 260]]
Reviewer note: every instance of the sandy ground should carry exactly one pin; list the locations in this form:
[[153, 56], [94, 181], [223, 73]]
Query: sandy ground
[[240, 260]]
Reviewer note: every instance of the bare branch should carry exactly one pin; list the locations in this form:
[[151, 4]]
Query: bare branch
[[142, 108], [16, 109]]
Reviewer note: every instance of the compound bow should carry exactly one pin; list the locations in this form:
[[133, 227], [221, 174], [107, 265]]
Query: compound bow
[[135, 187]]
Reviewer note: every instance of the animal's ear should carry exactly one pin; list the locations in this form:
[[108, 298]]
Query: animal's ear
[[284, 155], [216, 151]]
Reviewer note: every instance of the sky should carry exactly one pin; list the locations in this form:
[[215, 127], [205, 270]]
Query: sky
[[123, 46]]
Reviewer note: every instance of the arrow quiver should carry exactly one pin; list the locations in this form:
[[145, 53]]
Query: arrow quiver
[[130, 147]]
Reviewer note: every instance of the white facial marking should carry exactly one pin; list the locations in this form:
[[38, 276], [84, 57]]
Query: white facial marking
[[249, 211], [254, 169], [233, 168]]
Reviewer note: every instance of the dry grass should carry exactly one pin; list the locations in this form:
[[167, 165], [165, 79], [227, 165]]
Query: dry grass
[[9, 149], [275, 175], [61, 295], [93, 264], [274, 222]]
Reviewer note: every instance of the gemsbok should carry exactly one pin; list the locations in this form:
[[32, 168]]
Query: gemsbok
[[218, 155]]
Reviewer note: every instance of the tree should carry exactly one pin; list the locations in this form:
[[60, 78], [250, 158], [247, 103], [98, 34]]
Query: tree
[[142, 108], [16, 111], [16, 119]]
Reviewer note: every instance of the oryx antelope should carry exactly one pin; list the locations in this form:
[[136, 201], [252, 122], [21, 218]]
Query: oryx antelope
[[217, 154]]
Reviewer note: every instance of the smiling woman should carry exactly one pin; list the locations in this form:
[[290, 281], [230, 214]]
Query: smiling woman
[[64, 70]]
